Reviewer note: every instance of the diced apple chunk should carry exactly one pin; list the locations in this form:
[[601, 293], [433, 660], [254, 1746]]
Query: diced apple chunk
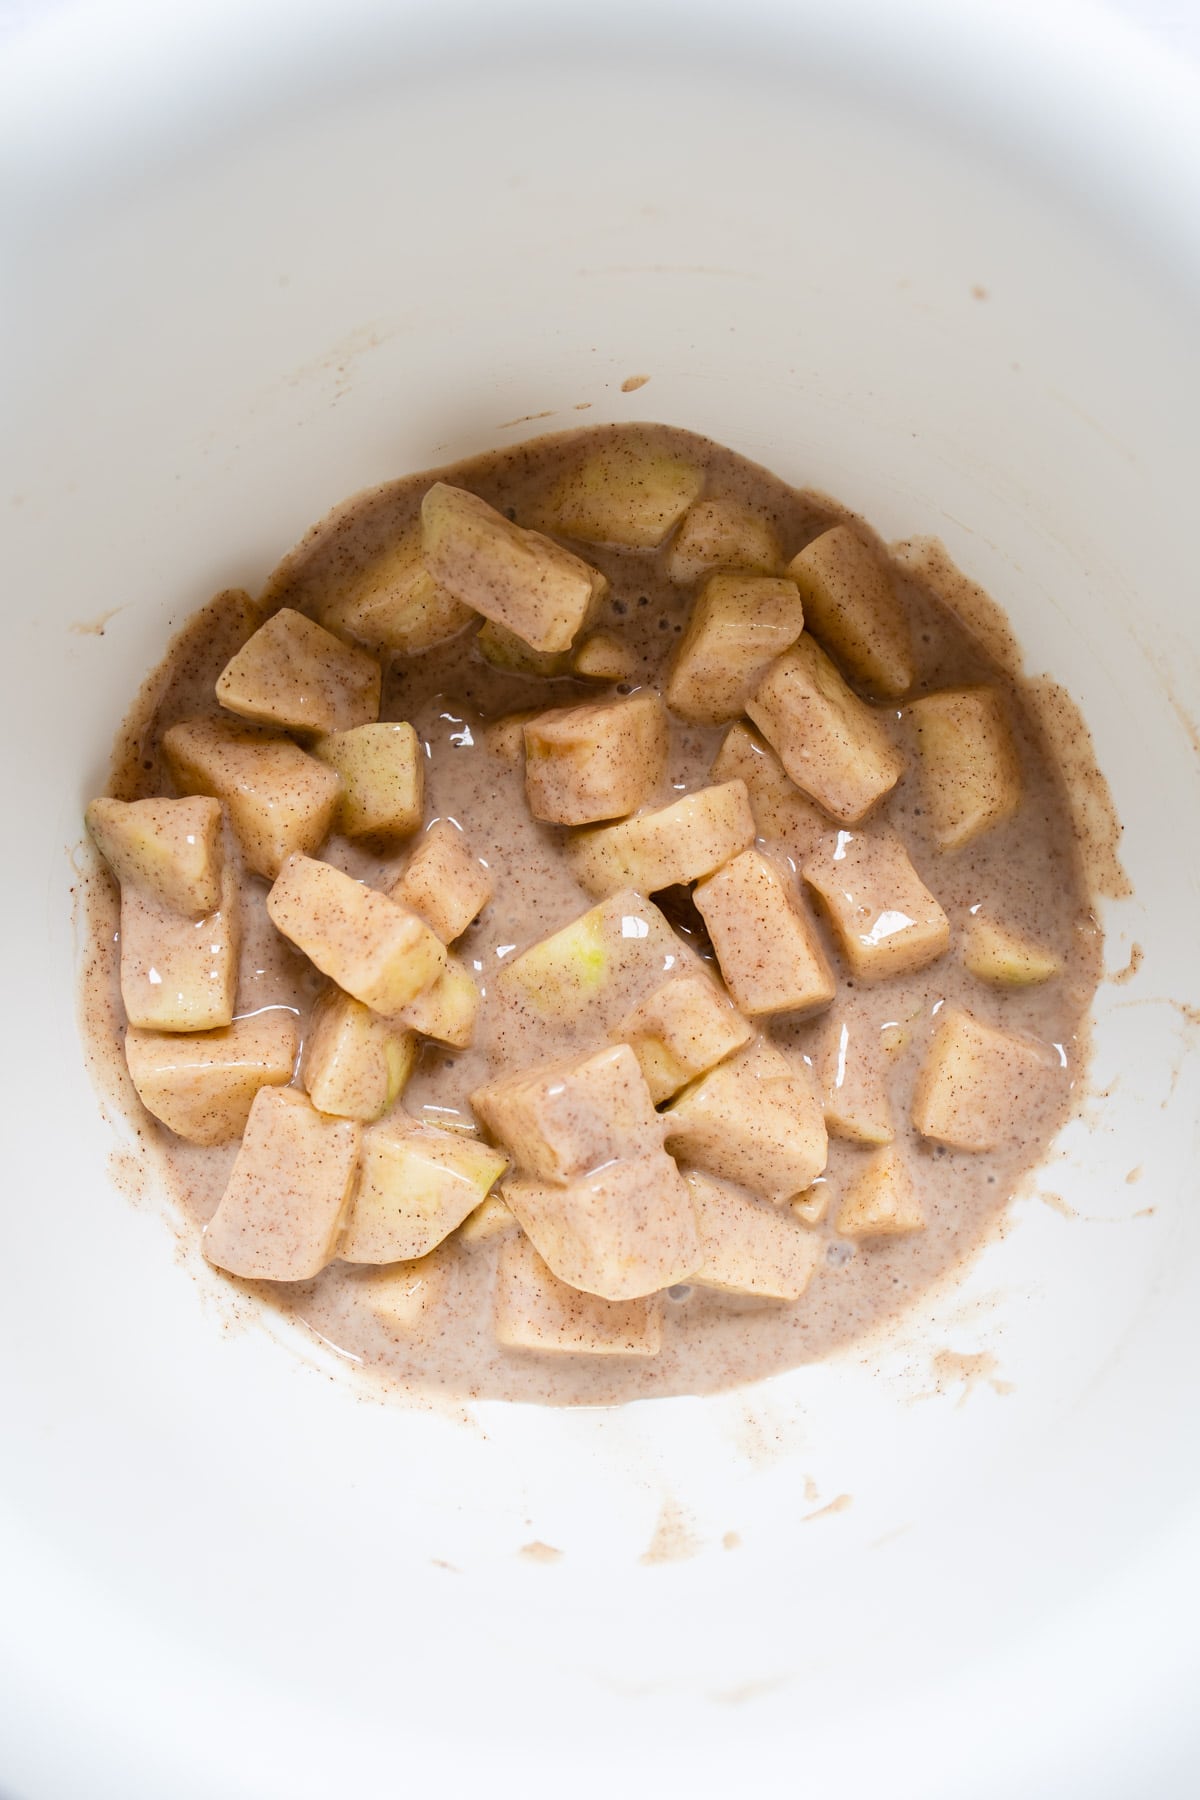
[[488, 1221], [170, 849], [603, 657], [739, 625], [584, 763], [503, 649], [621, 1232], [520, 579], [851, 607], [780, 810], [682, 1029], [749, 1248], [970, 774], [504, 738], [447, 1009], [179, 973], [355, 1064], [766, 946], [201, 1084], [403, 1296], [974, 1080], [679, 843], [295, 674], [417, 1185], [754, 1119], [830, 742], [627, 491], [563, 1119], [383, 778], [850, 1075], [882, 1200], [371, 946], [444, 881], [393, 603], [287, 1196], [722, 534], [885, 918], [1006, 958], [280, 801], [534, 1310]]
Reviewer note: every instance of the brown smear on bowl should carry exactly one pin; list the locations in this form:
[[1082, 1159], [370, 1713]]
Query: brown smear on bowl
[[1037, 872]]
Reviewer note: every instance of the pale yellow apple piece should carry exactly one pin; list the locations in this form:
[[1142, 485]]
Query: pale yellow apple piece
[[417, 1185], [603, 657], [294, 674], [404, 1296], [1006, 958], [372, 947], [488, 1221], [391, 602], [881, 1200], [280, 801], [518, 578], [850, 1065], [170, 849], [812, 1205], [748, 1247], [739, 625], [767, 947], [505, 650], [356, 1064], [628, 491], [781, 812], [680, 1030], [621, 1232], [179, 973], [722, 534], [445, 881], [281, 1213], [831, 743], [851, 607], [678, 843], [754, 1119], [970, 772], [201, 1084], [885, 919], [534, 1310], [382, 771], [563, 1119], [504, 738], [599, 761], [447, 1009], [975, 1081]]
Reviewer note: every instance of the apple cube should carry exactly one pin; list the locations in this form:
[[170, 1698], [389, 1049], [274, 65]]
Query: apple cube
[[754, 1119], [515, 577], [392, 603], [279, 800], [627, 491], [781, 811], [682, 1029], [488, 1221], [679, 843], [974, 1079], [562, 1119], [749, 1248], [287, 1196], [503, 649], [722, 534], [1006, 958], [851, 607], [170, 849], [885, 918], [382, 771], [403, 1296], [447, 1009], [369, 945], [179, 973], [622, 1231], [504, 738], [355, 1064], [584, 763], [850, 1076], [739, 625], [295, 674], [534, 1310], [830, 742], [603, 657], [443, 882], [416, 1186], [201, 1084], [766, 946], [881, 1201], [970, 773]]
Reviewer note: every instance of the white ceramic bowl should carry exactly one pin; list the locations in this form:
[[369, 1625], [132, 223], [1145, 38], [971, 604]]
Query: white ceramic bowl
[[258, 257]]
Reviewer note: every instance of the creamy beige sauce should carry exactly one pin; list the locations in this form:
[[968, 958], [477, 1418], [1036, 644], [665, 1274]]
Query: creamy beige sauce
[[1028, 872]]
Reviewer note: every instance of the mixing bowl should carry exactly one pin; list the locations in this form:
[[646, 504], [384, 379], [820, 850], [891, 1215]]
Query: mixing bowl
[[940, 261]]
